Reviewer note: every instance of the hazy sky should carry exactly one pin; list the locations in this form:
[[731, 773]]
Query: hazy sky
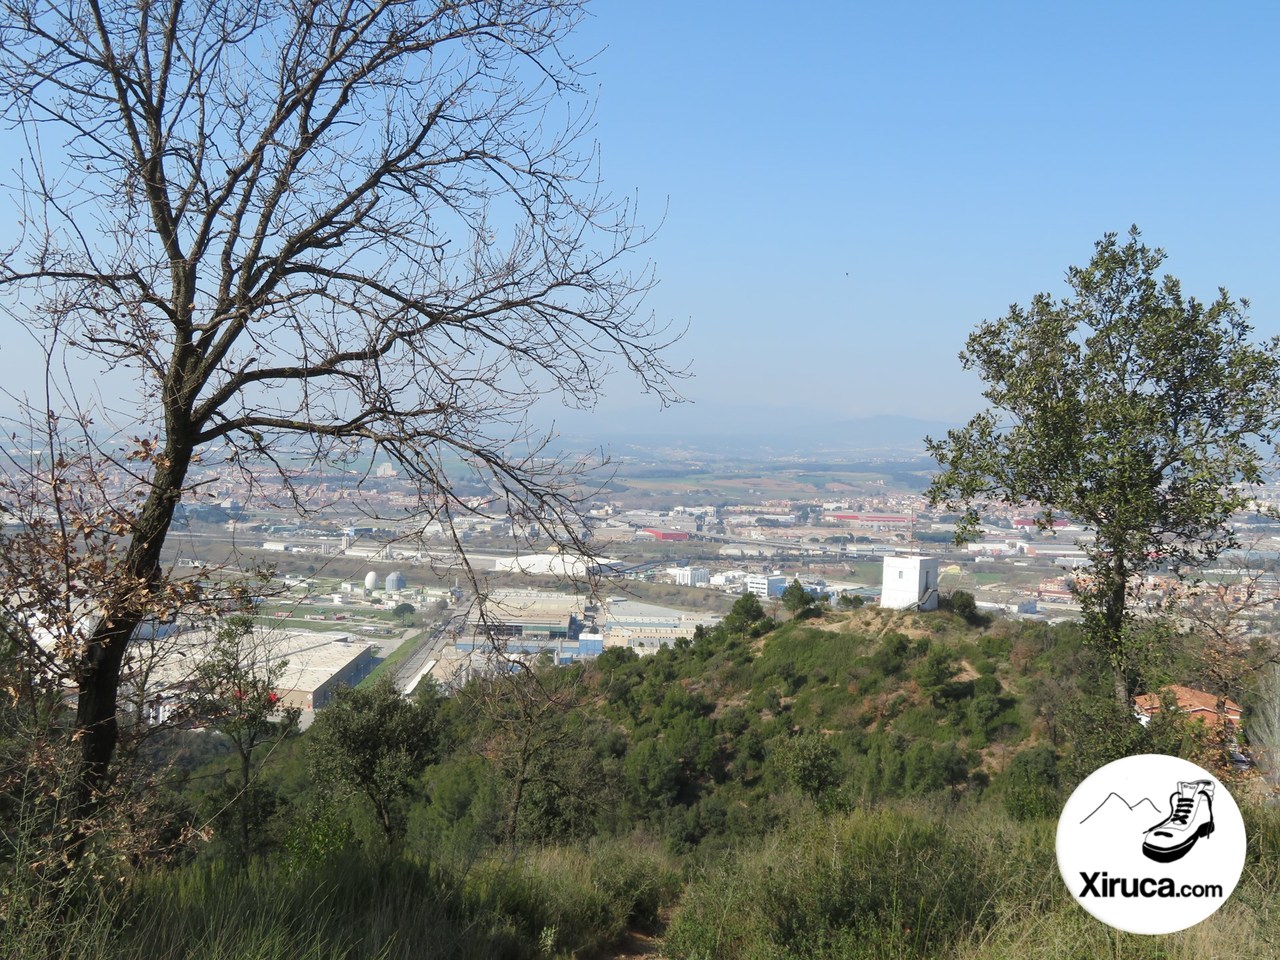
[[850, 187]]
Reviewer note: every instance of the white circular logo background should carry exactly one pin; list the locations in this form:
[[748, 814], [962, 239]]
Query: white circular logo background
[[1151, 844]]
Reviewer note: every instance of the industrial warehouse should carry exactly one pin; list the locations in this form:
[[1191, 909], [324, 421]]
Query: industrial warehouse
[[316, 665]]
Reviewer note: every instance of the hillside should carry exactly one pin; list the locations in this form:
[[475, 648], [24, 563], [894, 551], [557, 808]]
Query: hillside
[[846, 784]]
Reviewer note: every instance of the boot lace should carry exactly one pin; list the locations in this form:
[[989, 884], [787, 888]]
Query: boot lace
[[1182, 810]]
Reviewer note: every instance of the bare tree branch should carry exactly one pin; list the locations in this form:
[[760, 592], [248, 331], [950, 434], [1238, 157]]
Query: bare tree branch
[[314, 226]]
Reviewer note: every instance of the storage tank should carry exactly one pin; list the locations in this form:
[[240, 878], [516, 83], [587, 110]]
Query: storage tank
[[395, 582], [371, 580]]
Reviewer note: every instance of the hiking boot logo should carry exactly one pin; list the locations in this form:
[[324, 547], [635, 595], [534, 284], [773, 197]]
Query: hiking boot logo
[[1190, 818], [1126, 857]]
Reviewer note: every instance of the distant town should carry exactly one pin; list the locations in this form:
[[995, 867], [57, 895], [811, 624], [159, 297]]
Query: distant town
[[672, 540]]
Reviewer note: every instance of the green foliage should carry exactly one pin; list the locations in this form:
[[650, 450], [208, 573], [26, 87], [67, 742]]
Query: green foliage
[[355, 907], [1127, 406], [318, 835], [892, 656], [1031, 784], [373, 741], [863, 885], [963, 603], [934, 675], [235, 692], [746, 614], [850, 601], [795, 597], [464, 816], [1101, 730], [810, 763], [731, 761]]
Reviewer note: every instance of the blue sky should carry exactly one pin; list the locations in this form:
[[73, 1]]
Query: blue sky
[[846, 189], [849, 188]]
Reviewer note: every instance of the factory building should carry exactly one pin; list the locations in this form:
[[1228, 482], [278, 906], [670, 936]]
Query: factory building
[[693, 576], [530, 622], [766, 586], [316, 665]]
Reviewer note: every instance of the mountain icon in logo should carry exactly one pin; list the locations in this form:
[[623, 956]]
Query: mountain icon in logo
[[1117, 810]]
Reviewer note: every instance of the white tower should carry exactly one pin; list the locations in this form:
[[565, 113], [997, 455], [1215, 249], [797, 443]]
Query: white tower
[[910, 582]]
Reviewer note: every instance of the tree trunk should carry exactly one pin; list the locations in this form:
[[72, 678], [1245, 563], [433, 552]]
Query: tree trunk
[[1113, 613], [245, 776], [386, 819], [129, 600], [517, 796]]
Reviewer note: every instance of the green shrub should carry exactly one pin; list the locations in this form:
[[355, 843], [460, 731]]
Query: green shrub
[[862, 885], [1031, 785]]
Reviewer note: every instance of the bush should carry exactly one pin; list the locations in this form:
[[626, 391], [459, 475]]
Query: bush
[[1031, 785], [962, 602], [861, 885], [809, 762]]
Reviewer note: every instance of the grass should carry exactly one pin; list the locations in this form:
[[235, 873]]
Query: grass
[[391, 662], [937, 880], [868, 884], [922, 879], [548, 903]]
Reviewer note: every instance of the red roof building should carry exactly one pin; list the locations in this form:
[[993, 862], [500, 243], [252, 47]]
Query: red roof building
[[1195, 702]]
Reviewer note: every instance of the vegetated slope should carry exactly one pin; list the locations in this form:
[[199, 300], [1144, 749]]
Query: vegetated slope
[[847, 784], [711, 740], [708, 741]]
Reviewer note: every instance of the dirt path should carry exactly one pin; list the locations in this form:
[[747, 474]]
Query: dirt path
[[638, 945], [644, 944]]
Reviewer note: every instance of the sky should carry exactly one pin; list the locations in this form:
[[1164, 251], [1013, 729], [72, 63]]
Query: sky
[[847, 189], [844, 190]]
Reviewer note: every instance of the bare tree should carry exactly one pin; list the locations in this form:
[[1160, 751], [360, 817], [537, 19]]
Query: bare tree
[[311, 230], [1264, 722], [1232, 633]]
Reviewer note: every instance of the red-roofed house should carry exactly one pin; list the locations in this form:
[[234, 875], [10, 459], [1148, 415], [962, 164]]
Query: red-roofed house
[[1195, 702]]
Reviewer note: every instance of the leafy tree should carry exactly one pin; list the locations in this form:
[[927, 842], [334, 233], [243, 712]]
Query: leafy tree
[[1128, 406], [1031, 784], [795, 597], [236, 688], [810, 763], [934, 675], [524, 718], [317, 834], [850, 601], [963, 603], [746, 612], [892, 655], [307, 230], [927, 768], [1101, 730], [375, 742], [404, 611]]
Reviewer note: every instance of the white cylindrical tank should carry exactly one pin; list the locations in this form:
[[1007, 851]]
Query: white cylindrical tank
[[370, 580]]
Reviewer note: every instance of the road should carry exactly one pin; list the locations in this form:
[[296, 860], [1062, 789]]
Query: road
[[429, 648]]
